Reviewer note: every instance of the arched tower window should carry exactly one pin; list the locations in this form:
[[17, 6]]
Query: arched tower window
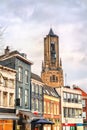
[[53, 78]]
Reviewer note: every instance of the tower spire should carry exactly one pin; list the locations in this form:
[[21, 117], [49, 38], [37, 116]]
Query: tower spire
[[51, 32]]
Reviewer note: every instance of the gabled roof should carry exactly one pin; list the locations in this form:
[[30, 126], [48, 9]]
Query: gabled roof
[[50, 91], [83, 92], [15, 54], [36, 77]]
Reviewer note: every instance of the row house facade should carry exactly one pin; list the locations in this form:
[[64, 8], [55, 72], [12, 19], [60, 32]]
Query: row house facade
[[36, 94], [71, 108], [84, 106], [7, 98], [28, 90], [38, 107], [20, 63], [36, 100], [52, 108]]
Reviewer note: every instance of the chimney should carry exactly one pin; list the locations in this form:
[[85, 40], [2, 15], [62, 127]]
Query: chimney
[[7, 50]]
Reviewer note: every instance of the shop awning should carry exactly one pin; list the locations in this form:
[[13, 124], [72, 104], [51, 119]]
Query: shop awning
[[41, 121], [8, 116]]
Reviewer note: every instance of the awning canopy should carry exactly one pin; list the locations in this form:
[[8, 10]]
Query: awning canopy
[[8, 116], [41, 121]]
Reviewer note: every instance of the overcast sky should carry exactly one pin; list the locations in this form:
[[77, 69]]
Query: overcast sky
[[27, 22]]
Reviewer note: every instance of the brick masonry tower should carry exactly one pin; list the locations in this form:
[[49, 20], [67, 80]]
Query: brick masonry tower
[[52, 73]]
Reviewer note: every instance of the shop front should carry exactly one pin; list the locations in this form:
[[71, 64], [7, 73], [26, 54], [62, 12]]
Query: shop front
[[84, 126], [7, 121], [25, 118], [79, 126], [68, 126], [31, 121]]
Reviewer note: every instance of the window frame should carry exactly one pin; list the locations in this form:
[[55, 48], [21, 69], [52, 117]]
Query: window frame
[[26, 76], [20, 74]]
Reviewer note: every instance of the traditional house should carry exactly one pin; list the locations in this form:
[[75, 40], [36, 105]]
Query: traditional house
[[71, 108], [84, 105], [22, 65], [7, 98], [52, 108]]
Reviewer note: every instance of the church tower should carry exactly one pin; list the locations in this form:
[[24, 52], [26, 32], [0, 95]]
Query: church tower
[[52, 73]]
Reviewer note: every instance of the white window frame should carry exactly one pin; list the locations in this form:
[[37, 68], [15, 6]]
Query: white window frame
[[20, 74], [26, 76], [26, 98], [20, 95]]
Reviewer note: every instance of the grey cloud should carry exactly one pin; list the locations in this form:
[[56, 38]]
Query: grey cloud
[[80, 35], [45, 11]]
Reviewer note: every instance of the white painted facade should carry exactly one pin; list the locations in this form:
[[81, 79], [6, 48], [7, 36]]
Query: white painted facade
[[70, 105], [7, 87]]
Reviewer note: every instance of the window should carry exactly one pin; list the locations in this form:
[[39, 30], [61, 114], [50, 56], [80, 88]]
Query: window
[[36, 103], [69, 112], [84, 115], [40, 105], [5, 99], [83, 103], [52, 46], [55, 109], [65, 96], [80, 113], [11, 83], [68, 97], [76, 98], [33, 87], [48, 107], [73, 112], [32, 104], [65, 112], [45, 106], [53, 53], [40, 89], [53, 78], [5, 82], [52, 106], [20, 96], [20, 74], [11, 101], [36, 89], [72, 97], [79, 98], [76, 113], [26, 76], [26, 98]]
